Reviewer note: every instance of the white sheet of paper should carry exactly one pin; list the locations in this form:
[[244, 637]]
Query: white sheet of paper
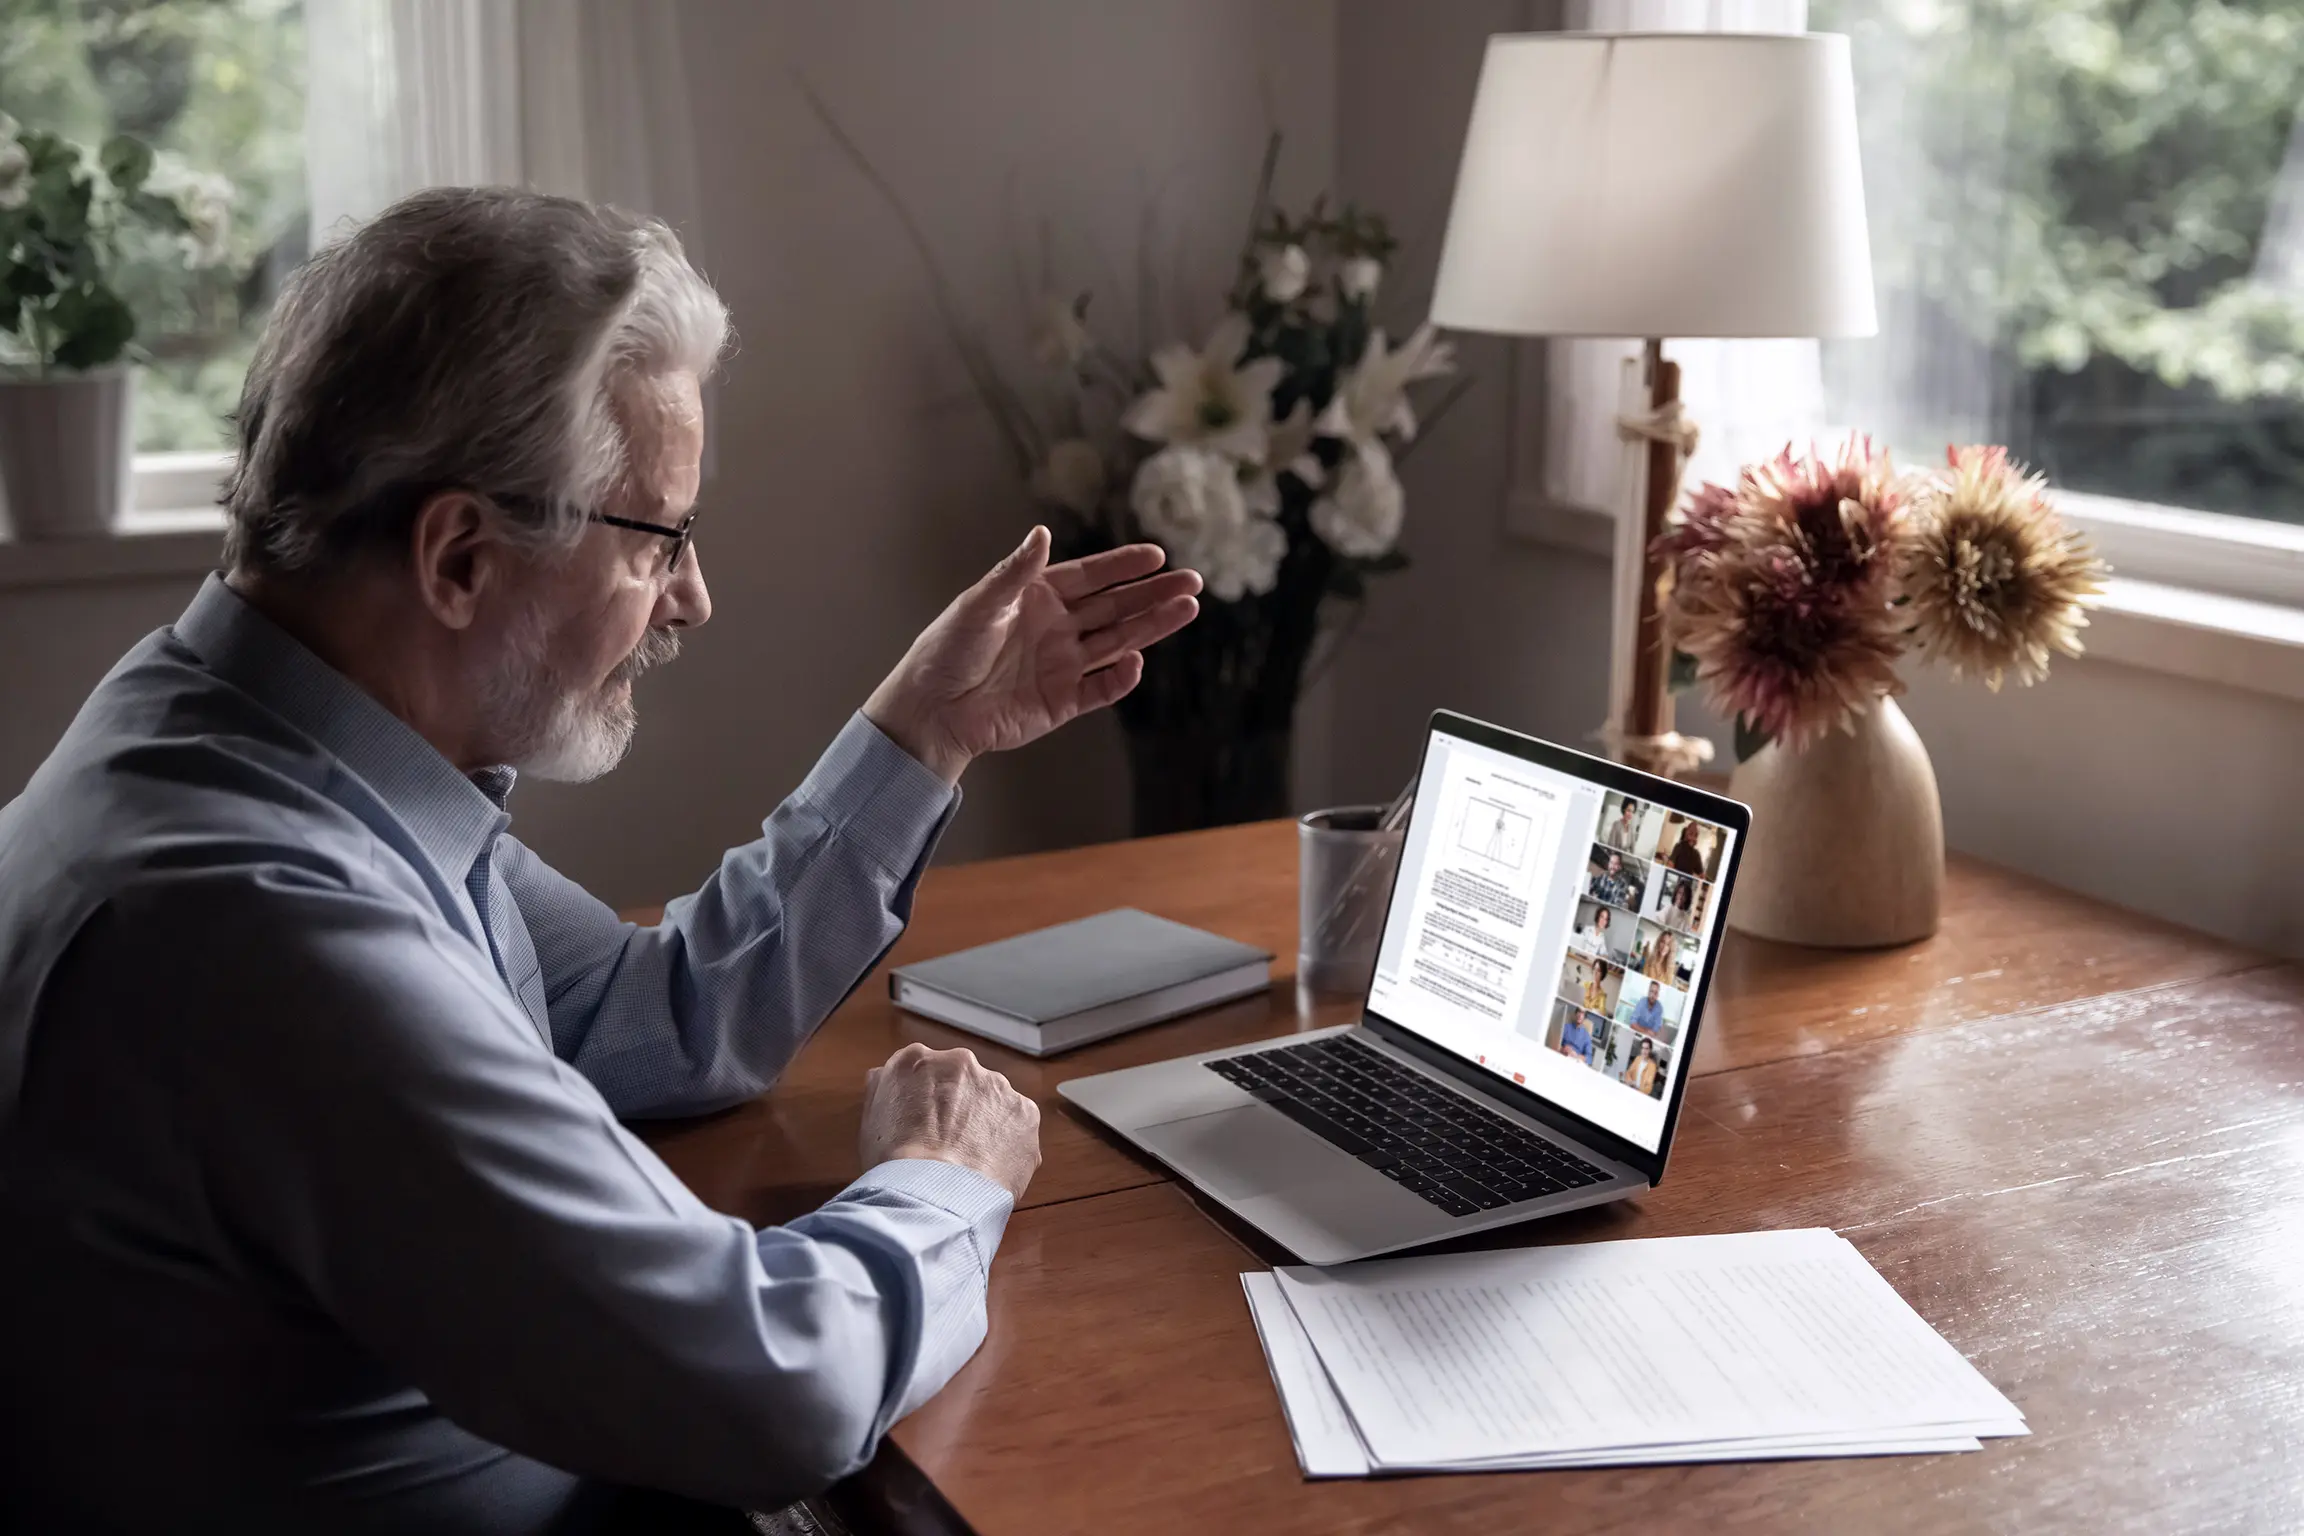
[[1785, 1338], [1681, 1455], [1326, 1444]]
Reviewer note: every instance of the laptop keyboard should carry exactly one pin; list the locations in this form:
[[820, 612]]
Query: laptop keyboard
[[1431, 1142]]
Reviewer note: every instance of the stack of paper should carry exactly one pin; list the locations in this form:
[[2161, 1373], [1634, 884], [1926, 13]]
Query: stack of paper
[[1750, 1347]]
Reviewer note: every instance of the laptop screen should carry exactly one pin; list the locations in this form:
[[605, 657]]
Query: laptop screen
[[1553, 930]]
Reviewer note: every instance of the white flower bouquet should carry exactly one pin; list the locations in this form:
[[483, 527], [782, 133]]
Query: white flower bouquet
[[1265, 458]]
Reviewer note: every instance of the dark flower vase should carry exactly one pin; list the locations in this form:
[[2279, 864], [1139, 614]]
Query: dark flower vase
[[1186, 777]]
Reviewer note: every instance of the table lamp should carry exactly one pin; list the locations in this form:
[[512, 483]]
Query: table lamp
[[1655, 185]]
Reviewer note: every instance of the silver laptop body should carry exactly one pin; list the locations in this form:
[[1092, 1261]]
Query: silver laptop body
[[1498, 985]]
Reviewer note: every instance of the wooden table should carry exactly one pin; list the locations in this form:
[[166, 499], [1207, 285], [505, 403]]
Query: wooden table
[[2071, 1136]]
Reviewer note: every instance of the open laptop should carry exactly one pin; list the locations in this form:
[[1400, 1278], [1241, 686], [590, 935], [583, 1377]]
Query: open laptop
[[1525, 1042]]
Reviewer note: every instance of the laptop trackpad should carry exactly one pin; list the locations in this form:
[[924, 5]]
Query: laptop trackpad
[[1252, 1150]]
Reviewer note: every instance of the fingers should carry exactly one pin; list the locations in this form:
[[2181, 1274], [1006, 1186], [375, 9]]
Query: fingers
[[1151, 626], [1075, 579], [1003, 582], [1113, 604], [1111, 684]]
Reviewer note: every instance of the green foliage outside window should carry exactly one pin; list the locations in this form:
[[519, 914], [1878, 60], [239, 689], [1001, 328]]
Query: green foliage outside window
[[216, 87], [2099, 202]]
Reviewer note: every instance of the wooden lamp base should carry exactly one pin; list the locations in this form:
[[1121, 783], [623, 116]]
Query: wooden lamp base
[[1645, 738]]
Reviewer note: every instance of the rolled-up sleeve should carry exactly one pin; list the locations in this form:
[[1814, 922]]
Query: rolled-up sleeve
[[705, 1008], [378, 1132]]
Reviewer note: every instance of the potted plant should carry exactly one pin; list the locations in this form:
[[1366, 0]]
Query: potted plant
[[67, 219], [1792, 598]]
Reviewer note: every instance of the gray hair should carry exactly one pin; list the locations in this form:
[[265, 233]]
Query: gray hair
[[467, 338]]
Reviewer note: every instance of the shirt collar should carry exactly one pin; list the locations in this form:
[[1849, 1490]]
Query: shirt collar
[[453, 818]]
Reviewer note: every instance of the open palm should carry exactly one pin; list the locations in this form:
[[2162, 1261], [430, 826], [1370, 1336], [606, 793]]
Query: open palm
[[1027, 648]]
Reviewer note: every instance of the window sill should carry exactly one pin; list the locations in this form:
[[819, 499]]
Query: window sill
[[1535, 518], [142, 546], [173, 528], [2246, 557], [2239, 642]]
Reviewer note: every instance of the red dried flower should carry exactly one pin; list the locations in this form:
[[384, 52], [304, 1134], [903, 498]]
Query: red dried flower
[[1783, 592]]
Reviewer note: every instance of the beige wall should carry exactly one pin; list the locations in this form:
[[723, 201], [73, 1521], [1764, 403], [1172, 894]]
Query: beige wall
[[1497, 628], [857, 485], [2169, 796], [55, 644]]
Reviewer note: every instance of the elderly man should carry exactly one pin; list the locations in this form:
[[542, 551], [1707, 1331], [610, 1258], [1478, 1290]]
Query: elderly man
[[315, 1208]]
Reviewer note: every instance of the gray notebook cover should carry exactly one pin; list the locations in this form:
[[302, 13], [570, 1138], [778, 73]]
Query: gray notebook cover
[[1053, 973]]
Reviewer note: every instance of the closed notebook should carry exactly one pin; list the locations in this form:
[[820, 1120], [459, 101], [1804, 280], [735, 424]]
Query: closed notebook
[[1059, 987]]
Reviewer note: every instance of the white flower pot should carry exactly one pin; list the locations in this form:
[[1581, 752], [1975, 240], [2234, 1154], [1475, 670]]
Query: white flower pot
[[65, 452], [1847, 844]]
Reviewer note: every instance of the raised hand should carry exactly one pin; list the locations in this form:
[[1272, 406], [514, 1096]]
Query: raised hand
[[1027, 648]]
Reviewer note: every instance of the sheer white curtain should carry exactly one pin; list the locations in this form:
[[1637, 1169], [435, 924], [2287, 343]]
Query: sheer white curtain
[[1937, 194], [1747, 397], [582, 97]]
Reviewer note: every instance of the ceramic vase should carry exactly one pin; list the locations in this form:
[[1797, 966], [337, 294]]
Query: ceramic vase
[[1847, 844], [65, 452]]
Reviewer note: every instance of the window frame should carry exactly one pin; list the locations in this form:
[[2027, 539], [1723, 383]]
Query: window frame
[[2256, 559]]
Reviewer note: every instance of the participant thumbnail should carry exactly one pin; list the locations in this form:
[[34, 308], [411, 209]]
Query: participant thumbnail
[[1576, 1032], [1615, 879], [1591, 983], [1680, 902], [1684, 844], [1603, 932], [1651, 1008], [1663, 955], [1646, 1068], [1629, 825]]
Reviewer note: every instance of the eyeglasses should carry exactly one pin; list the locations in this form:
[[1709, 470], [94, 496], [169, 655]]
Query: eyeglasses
[[680, 533]]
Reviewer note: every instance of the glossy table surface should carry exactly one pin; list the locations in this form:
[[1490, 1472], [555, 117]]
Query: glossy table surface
[[2069, 1135]]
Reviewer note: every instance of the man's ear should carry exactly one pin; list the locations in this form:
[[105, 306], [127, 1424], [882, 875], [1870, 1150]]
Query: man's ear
[[454, 555]]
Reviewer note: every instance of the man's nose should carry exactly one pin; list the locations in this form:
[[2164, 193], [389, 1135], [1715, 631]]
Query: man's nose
[[686, 602]]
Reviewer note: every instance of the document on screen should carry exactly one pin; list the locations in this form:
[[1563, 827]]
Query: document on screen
[[1472, 923]]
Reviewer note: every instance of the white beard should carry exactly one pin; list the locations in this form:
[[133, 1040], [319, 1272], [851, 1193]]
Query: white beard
[[550, 729]]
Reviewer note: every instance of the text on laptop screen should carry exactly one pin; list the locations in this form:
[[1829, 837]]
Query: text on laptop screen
[[1551, 930]]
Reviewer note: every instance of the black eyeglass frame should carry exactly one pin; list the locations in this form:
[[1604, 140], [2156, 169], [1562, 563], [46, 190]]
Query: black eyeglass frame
[[680, 533]]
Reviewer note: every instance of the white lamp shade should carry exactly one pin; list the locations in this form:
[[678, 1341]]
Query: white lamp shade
[[1660, 184]]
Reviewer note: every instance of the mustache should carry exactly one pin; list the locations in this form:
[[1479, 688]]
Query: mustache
[[656, 647]]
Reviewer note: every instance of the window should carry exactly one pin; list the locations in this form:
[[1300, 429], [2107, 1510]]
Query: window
[[2087, 222], [219, 86], [2088, 239]]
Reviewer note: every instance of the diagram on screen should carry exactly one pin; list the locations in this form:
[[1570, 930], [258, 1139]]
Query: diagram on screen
[[1495, 832]]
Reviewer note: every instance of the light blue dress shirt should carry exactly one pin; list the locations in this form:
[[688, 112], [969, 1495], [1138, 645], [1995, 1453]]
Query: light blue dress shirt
[[315, 1207]]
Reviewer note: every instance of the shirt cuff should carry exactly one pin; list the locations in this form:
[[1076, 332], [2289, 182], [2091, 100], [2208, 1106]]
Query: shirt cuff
[[980, 1204], [964, 1192], [879, 796]]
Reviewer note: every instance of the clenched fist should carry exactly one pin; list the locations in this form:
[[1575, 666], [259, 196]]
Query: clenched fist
[[949, 1106]]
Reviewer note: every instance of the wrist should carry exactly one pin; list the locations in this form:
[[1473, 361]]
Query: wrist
[[929, 748]]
